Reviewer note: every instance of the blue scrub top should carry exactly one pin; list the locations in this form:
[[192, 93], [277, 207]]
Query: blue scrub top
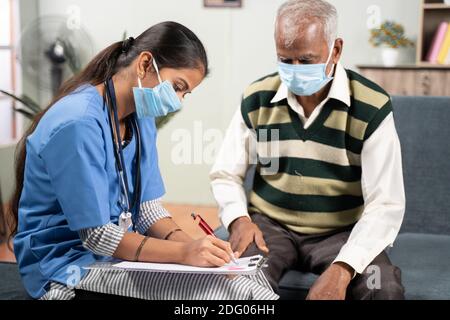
[[71, 184]]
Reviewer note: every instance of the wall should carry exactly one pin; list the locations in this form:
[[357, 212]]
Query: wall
[[240, 47], [28, 10]]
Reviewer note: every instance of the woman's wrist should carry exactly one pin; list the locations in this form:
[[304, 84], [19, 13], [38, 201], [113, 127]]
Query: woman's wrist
[[182, 252], [139, 249]]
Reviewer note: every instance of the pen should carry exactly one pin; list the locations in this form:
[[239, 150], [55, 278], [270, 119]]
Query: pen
[[208, 230]]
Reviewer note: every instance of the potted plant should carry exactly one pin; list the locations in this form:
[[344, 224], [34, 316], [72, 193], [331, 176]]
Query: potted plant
[[390, 36]]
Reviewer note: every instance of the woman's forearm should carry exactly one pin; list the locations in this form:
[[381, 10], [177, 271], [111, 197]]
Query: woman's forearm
[[165, 229], [180, 236], [154, 250]]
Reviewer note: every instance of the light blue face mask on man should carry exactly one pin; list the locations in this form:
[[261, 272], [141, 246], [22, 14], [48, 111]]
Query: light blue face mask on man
[[305, 79], [157, 101]]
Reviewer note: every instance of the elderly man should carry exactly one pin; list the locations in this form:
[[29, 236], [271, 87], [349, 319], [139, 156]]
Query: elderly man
[[328, 192]]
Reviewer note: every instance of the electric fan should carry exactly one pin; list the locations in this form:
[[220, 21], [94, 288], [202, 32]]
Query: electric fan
[[52, 49]]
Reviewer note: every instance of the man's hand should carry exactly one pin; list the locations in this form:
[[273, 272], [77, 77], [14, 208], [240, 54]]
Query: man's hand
[[243, 233], [332, 284]]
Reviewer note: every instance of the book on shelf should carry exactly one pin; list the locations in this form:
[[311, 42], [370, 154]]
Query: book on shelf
[[445, 47], [436, 43]]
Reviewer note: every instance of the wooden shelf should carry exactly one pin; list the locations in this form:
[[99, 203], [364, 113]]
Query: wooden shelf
[[435, 6], [412, 80], [420, 66], [433, 65]]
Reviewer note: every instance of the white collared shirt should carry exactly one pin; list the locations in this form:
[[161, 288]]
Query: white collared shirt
[[381, 180]]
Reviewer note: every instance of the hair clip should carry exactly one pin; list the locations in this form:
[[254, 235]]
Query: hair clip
[[126, 44]]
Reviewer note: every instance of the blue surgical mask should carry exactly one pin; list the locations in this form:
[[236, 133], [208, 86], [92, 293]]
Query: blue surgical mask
[[305, 79], [157, 101]]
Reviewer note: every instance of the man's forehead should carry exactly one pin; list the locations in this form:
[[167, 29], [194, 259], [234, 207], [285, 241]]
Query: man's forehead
[[304, 33]]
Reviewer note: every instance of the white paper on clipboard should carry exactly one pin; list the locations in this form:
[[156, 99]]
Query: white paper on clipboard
[[248, 265]]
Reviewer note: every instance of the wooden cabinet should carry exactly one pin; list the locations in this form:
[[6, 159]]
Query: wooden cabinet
[[410, 80]]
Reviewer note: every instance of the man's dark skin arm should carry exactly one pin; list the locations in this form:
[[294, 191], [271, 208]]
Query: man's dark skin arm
[[332, 284]]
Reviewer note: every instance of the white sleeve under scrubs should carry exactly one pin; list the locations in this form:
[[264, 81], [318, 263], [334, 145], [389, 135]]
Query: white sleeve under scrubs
[[71, 184]]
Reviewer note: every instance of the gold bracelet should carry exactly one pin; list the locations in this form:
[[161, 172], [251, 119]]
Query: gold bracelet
[[171, 232], [138, 251]]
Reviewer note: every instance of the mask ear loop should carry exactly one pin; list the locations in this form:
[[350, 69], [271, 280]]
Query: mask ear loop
[[328, 60], [156, 69], [157, 72]]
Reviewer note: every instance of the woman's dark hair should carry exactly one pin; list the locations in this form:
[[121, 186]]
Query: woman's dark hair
[[171, 44]]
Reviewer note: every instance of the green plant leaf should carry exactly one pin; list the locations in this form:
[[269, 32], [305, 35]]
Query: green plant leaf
[[25, 100], [13, 96], [31, 103], [391, 34], [26, 113]]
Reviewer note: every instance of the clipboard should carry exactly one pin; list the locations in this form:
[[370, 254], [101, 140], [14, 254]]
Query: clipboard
[[245, 266]]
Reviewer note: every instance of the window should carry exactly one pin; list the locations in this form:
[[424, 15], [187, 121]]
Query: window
[[9, 121]]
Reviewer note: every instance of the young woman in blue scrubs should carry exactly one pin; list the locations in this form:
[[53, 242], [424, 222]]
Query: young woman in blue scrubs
[[89, 186]]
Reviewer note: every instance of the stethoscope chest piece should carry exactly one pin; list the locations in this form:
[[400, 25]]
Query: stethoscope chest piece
[[125, 221]]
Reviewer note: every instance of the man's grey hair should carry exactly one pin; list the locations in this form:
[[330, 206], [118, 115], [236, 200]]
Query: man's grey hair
[[296, 12]]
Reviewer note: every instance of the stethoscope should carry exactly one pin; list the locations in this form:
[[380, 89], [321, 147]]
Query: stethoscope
[[126, 218]]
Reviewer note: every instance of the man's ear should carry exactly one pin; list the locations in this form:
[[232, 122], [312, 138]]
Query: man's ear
[[144, 64], [338, 47]]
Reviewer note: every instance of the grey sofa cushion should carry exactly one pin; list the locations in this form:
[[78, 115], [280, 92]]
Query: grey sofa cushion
[[425, 263], [423, 126], [294, 285], [11, 287]]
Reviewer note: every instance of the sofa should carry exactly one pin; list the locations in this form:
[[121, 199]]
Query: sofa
[[422, 250]]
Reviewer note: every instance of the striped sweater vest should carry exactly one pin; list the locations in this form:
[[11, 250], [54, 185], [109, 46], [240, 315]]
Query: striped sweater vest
[[310, 180]]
